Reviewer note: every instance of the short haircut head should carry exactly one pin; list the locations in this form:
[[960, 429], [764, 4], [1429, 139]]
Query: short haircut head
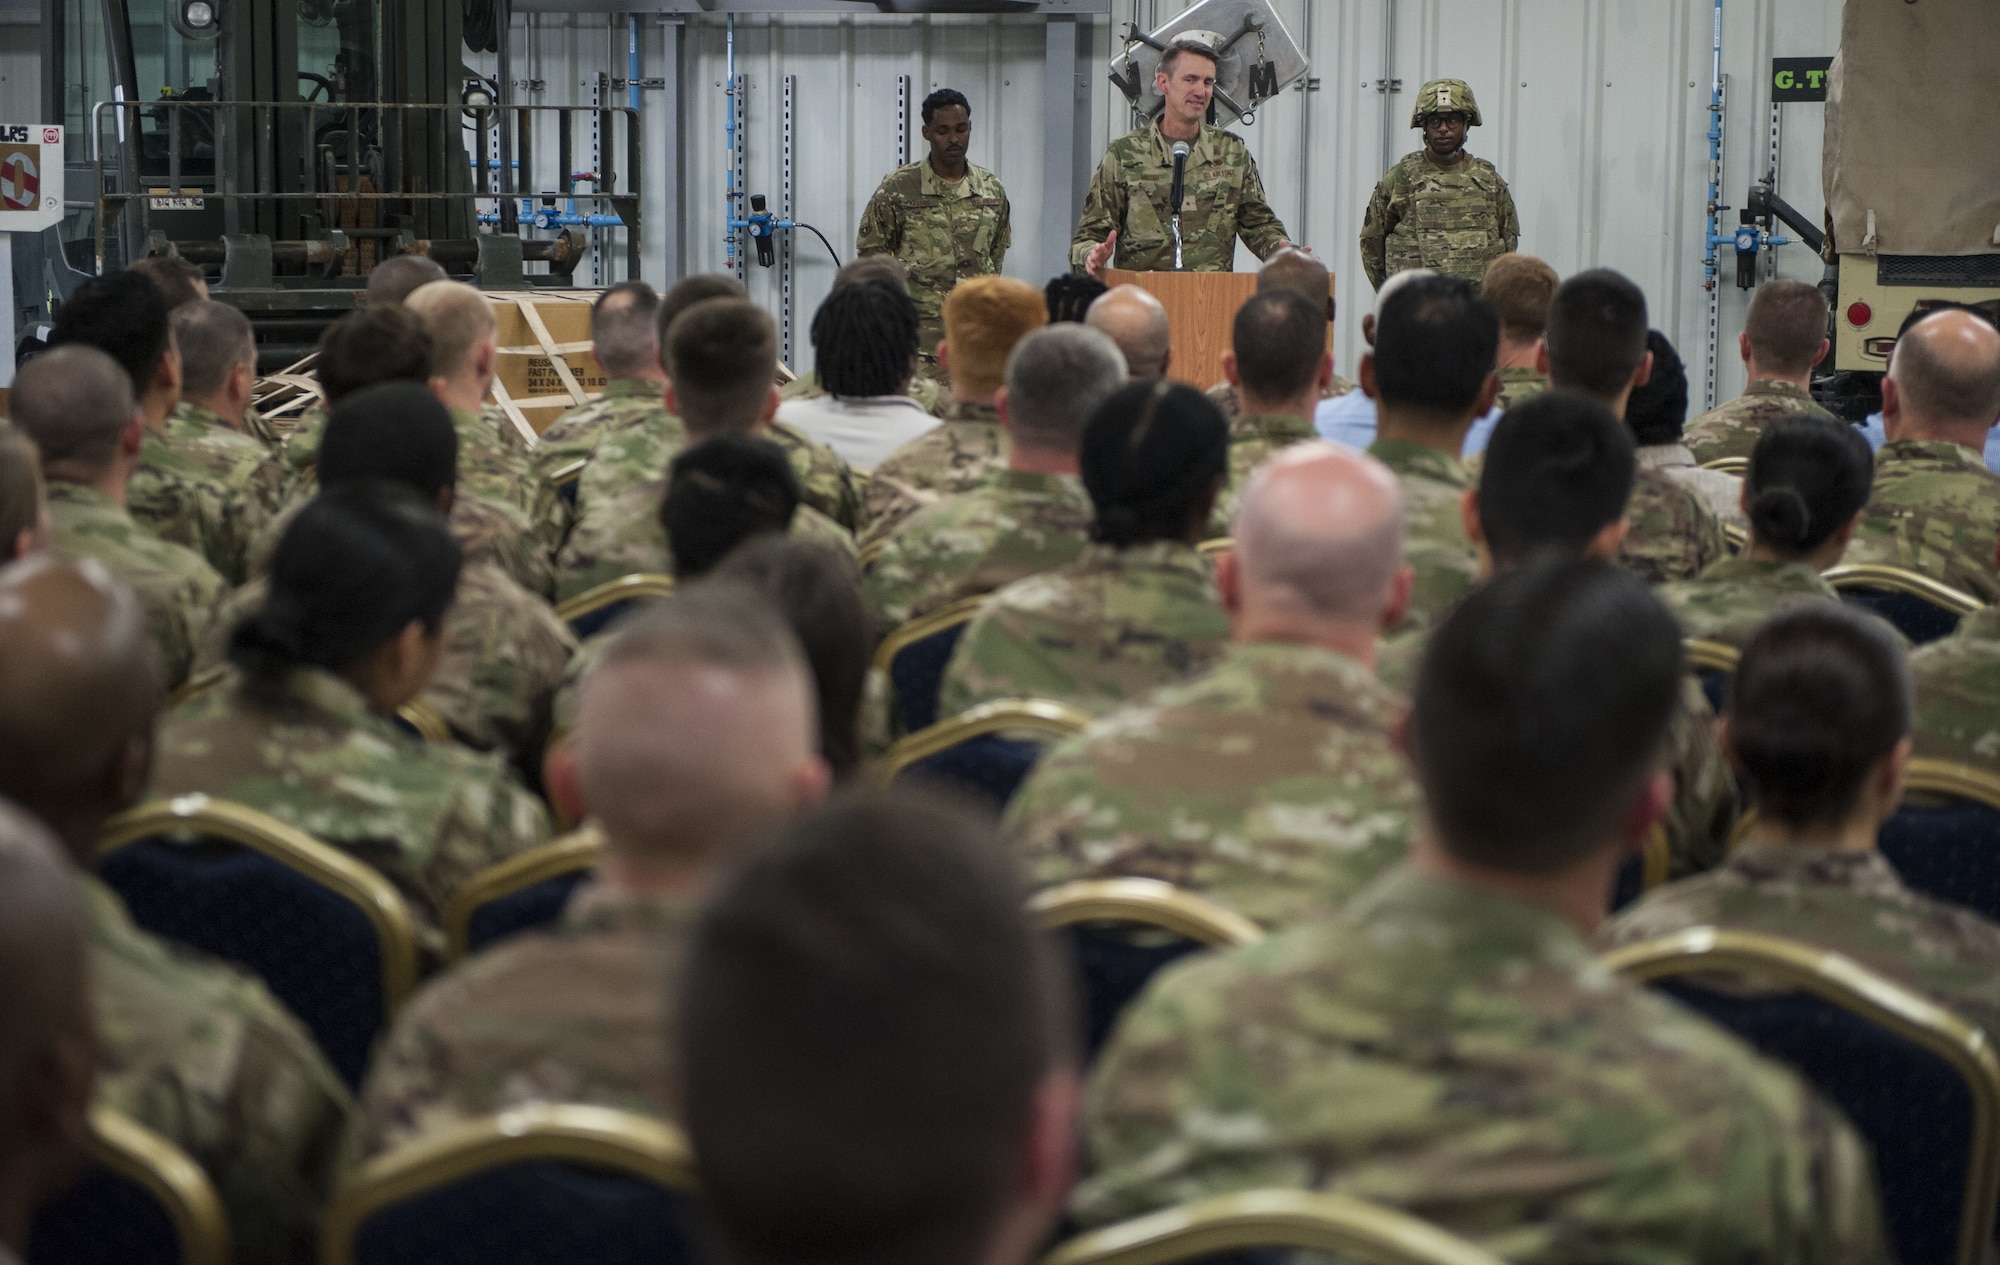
[[180, 282], [399, 276], [983, 318], [1138, 323], [1941, 377], [695, 288], [459, 319], [74, 402], [945, 98], [392, 432], [722, 355], [1056, 378], [692, 723], [1071, 296], [817, 590], [379, 343], [865, 340], [1436, 342], [1808, 478], [865, 1018], [1151, 457], [122, 315], [1540, 710], [624, 332], [1323, 524], [1170, 60], [1559, 470], [1820, 696], [1597, 333], [1786, 324], [1293, 269], [214, 338], [1657, 409], [1279, 337], [720, 493], [21, 493], [882, 269], [1520, 288]]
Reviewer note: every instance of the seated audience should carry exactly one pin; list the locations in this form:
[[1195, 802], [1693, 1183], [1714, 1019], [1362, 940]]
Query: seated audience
[[983, 318], [1350, 418], [1031, 517], [859, 337], [1290, 269], [180, 282], [1448, 1044], [190, 1047], [1519, 287], [1278, 367], [720, 493], [721, 358], [885, 270], [25, 526], [1271, 783], [1803, 493], [1430, 374], [1818, 725], [1655, 414], [304, 729], [399, 276], [625, 343], [1935, 507], [76, 404], [1137, 322], [694, 726], [1872, 428], [1596, 346], [1784, 336], [1958, 694], [46, 1043], [218, 375], [876, 1049], [1138, 610], [1071, 296]]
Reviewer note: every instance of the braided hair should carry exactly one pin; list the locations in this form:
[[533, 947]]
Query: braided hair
[[864, 340]]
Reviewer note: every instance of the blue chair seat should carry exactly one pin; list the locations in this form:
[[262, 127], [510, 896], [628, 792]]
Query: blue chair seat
[[1949, 851], [1114, 963], [989, 767], [536, 905], [916, 676], [106, 1218], [1919, 620]]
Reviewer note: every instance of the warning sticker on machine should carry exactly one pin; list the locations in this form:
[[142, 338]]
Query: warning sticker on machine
[[161, 200]]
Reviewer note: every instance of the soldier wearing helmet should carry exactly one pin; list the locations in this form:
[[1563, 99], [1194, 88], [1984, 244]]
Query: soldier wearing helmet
[[1439, 208]]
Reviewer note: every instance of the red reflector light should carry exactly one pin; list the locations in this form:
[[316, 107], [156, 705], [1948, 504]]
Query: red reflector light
[[1859, 313]]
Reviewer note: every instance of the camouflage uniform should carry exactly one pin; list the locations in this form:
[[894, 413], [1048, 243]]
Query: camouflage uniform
[[1443, 556], [943, 230], [1673, 533], [1453, 220], [967, 449], [1732, 597], [1224, 396], [495, 464], [203, 484], [581, 1013], [1957, 714], [202, 1054], [1852, 903], [428, 816], [1014, 527], [1224, 199], [178, 589], [928, 392], [1461, 1056], [826, 481], [1110, 627], [1518, 385], [1252, 440], [1935, 509], [487, 531], [504, 657], [1270, 784], [574, 436], [1731, 430], [1721, 493]]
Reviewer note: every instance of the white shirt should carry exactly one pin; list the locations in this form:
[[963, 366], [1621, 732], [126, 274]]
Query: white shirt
[[864, 430]]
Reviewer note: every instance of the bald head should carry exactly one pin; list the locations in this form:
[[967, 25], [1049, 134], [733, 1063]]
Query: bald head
[[698, 723], [78, 695], [1293, 269], [74, 402], [1319, 537], [1946, 380], [395, 279], [459, 321], [1137, 322]]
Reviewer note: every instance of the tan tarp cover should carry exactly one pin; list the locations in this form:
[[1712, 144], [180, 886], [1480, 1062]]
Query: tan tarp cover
[[1911, 129]]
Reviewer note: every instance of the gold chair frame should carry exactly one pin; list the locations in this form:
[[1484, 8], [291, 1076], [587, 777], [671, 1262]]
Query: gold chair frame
[[424, 718], [1307, 1220], [1215, 546], [1738, 537], [1854, 988], [904, 635], [626, 588], [577, 850], [597, 1137], [1040, 715], [198, 684], [352, 880], [1728, 465], [870, 552], [1146, 901], [174, 1180], [568, 473], [1870, 575], [1948, 777], [1710, 656]]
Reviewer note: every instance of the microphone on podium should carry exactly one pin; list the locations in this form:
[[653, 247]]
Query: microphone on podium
[[1179, 189]]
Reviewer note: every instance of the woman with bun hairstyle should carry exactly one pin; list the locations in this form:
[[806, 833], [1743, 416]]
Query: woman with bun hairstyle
[[1808, 481], [304, 726]]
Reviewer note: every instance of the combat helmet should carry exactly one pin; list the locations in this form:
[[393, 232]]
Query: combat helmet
[[1443, 96]]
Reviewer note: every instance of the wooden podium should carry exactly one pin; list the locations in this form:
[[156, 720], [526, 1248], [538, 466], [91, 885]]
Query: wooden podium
[[1201, 306]]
